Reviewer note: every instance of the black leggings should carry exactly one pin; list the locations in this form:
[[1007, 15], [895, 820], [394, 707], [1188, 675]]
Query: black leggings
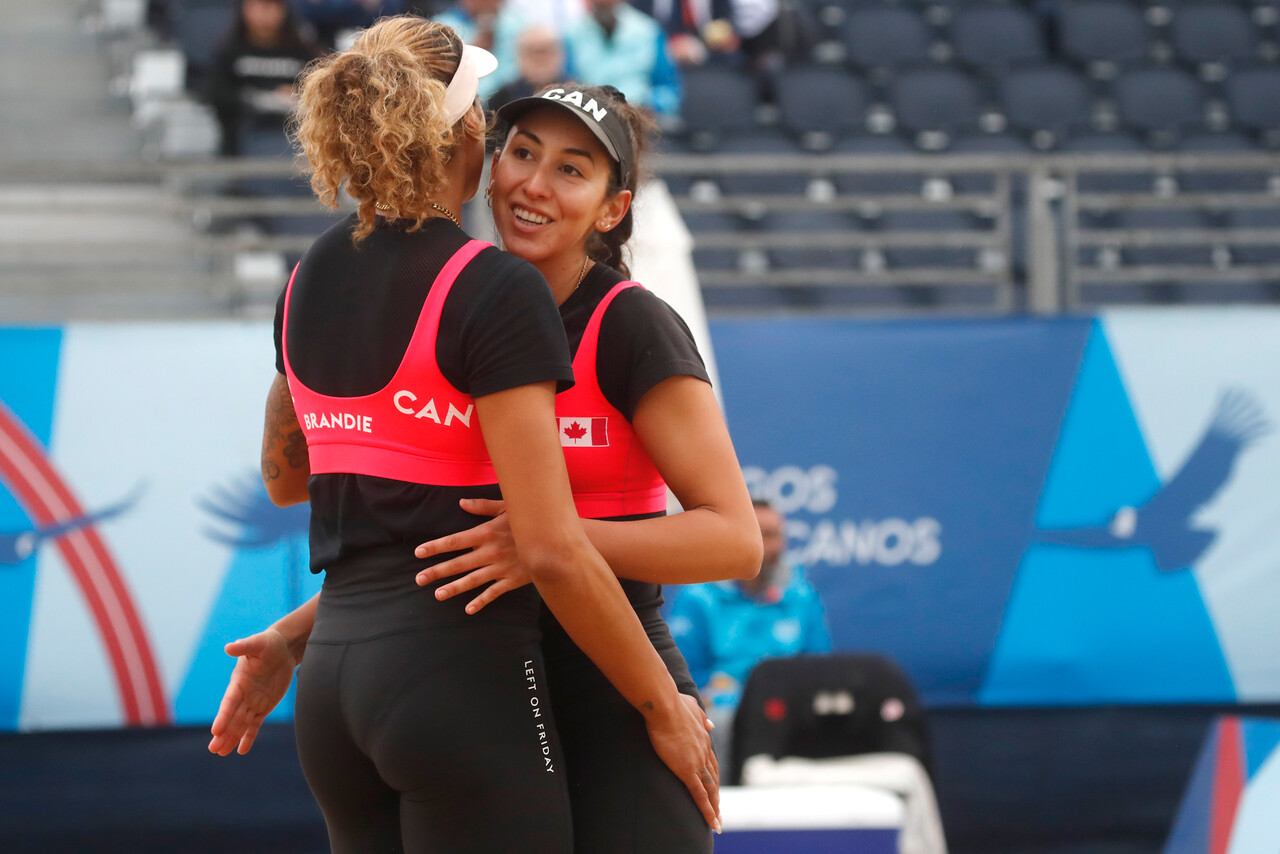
[[625, 799], [433, 742]]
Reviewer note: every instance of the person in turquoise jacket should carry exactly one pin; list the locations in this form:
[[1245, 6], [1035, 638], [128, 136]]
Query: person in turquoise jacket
[[724, 628], [620, 46]]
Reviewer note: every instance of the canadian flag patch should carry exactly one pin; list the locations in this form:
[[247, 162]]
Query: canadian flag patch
[[584, 432]]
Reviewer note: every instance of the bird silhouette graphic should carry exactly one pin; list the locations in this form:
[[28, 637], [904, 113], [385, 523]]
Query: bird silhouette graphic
[[1164, 523], [256, 523], [17, 546]]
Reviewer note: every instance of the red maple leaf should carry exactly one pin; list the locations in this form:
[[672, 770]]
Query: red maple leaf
[[575, 431]]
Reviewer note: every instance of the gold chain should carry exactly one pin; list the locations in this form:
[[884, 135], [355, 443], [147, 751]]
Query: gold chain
[[457, 220]]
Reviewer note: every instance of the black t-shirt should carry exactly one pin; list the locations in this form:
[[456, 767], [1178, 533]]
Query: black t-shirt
[[642, 340], [351, 317]]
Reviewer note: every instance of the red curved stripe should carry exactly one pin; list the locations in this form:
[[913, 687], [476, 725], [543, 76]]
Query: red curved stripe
[[1228, 785], [48, 501]]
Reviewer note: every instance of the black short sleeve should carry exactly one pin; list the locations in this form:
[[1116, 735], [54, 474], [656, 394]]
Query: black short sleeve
[[510, 332], [277, 330], [643, 342]]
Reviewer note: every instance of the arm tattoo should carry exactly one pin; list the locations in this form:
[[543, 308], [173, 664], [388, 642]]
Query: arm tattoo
[[282, 428]]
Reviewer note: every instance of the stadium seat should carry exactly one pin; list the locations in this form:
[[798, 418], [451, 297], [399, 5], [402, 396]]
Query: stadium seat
[[716, 104], [1046, 102], [704, 222], [877, 182], [818, 706], [1256, 253], [199, 29], [1157, 219], [1103, 35], [935, 99], [820, 105], [997, 36], [984, 143], [880, 37], [1108, 182], [757, 183], [926, 255], [1233, 181], [268, 141], [1160, 101], [814, 221], [1213, 36], [1252, 98]]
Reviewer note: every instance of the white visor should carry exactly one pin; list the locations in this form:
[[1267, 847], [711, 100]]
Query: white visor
[[476, 62]]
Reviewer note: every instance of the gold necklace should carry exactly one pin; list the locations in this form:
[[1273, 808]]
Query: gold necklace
[[457, 220], [582, 274]]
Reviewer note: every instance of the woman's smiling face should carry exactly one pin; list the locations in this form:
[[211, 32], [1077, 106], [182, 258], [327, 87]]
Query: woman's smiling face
[[550, 183]]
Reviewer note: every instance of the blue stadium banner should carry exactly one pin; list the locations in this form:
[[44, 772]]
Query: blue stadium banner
[[1029, 512], [1066, 511]]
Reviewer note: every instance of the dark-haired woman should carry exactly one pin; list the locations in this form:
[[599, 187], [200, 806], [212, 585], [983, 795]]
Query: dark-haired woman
[[252, 80], [419, 367], [641, 416]]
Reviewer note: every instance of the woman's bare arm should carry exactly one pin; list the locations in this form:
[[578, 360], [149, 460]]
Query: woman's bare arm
[[520, 432], [285, 465], [717, 536]]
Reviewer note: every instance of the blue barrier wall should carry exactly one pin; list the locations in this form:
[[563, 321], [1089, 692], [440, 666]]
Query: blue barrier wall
[[1022, 512]]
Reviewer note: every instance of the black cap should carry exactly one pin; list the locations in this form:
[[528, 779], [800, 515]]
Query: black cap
[[603, 123]]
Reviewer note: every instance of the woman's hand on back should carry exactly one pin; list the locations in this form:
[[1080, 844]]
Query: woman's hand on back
[[488, 557]]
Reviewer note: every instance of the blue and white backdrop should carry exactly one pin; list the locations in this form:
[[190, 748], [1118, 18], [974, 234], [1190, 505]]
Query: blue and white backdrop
[[1021, 512]]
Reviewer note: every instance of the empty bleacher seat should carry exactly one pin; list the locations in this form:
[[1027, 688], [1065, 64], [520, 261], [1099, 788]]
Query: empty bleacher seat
[[1045, 102], [1109, 182], [1250, 218], [1103, 34], [852, 183], [1160, 101], [997, 36], [754, 183], [714, 222], [926, 255], [1163, 219], [1226, 181], [810, 222], [820, 105], [877, 37], [716, 103], [1255, 106], [200, 28], [935, 100], [1213, 36]]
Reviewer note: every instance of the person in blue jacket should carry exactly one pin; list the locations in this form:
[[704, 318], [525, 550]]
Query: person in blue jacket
[[725, 628]]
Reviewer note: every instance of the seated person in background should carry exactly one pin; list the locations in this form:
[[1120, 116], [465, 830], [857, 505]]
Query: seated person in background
[[493, 25], [616, 45], [331, 17], [251, 82], [724, 628], [693, 27], [540, 58]]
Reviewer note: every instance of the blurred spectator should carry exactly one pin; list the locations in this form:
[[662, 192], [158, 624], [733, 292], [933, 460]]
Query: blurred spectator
[[693, 27], [725, 628], [557, 15], [540, 57], [772, 31], [494, 26], [330, 17], [617, 45], [251, 83]]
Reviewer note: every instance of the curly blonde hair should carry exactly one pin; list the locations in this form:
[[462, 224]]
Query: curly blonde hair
[[372, 118]]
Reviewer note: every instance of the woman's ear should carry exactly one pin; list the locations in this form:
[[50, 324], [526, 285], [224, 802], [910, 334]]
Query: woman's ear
[[613, 210]]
